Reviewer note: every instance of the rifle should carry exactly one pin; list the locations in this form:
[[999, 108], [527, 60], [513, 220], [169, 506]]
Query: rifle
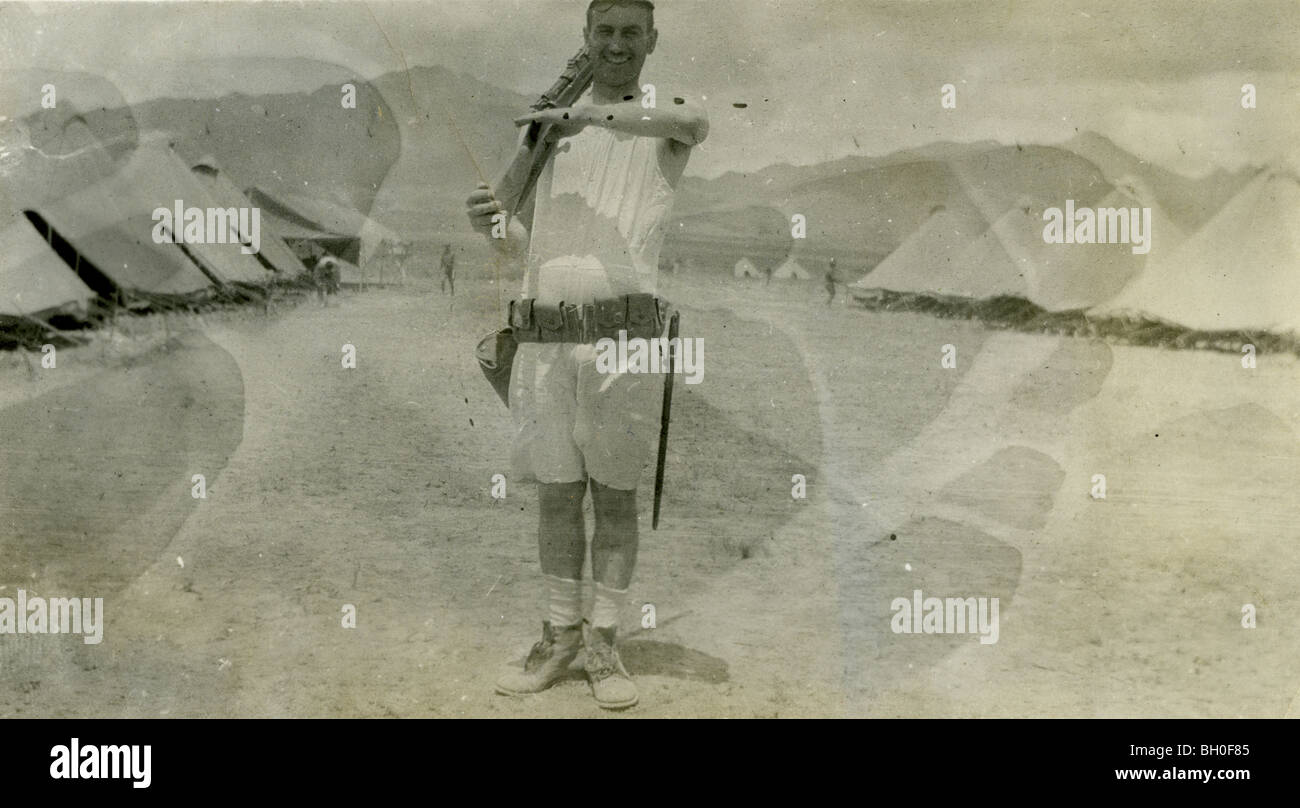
[[496, 351], [537, 143]]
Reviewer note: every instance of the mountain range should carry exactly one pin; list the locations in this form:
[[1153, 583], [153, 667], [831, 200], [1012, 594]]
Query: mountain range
[[419, 140]]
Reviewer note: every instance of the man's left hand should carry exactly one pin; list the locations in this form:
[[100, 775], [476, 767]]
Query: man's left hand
[[571, 120]]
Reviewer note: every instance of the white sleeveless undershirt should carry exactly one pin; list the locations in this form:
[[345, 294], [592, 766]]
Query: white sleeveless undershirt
[[599, 222]]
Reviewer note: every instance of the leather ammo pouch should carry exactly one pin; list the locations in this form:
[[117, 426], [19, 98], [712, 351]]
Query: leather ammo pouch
[[641, 315]]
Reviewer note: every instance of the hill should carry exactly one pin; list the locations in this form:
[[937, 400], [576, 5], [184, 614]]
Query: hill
[[419, 140], [290, 141]]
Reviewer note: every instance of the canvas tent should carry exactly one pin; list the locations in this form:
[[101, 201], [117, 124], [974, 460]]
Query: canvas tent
[[926, 260], [34, 281], [1063, 277], [791, 270], [1010, 258], [162, 177], [109, 228], [745, 269], [103, 233], [279, 257], [1240, 271], [337, 229]]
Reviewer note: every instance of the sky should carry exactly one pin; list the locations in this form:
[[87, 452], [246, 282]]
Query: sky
[[821, 78]]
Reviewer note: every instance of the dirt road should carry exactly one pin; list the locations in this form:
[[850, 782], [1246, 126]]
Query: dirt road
[[370, 487]]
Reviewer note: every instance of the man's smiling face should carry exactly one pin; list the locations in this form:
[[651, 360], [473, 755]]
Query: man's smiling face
[[619, 38]]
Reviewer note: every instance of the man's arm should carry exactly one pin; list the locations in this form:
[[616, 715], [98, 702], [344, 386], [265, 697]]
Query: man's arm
[[682, 120], [481, 207]]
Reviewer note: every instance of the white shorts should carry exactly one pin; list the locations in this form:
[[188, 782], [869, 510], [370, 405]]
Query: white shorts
[[572, 422]]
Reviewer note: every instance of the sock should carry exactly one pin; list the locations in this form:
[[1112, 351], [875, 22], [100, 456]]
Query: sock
[[563, 601], [609, 602]]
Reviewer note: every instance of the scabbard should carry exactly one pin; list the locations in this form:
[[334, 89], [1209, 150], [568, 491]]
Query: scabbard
[[664, 419]]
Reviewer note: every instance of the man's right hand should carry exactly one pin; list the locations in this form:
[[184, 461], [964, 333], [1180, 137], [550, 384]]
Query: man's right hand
[[481, 206]]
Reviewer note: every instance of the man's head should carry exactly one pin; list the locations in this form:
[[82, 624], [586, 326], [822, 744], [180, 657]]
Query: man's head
[[620, 34]]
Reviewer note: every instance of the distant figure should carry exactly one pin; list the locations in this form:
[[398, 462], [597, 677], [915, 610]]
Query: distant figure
[[767, 273], [326, 276], [830, 283], [448, 270]]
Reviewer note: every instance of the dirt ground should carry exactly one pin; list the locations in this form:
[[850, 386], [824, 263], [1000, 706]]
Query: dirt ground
[[370, 486]]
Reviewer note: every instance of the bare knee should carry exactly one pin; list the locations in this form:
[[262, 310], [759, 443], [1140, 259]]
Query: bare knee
[[612, 498], [561, 502], [615, 513]]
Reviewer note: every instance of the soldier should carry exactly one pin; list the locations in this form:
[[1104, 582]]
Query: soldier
[[593, 239], [448, 270], [830, 283], [326, 276]]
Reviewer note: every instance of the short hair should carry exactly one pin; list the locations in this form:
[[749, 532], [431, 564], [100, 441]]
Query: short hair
[[605, 5]]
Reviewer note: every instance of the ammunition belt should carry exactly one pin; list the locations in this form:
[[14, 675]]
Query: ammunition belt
[[641, 315]]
